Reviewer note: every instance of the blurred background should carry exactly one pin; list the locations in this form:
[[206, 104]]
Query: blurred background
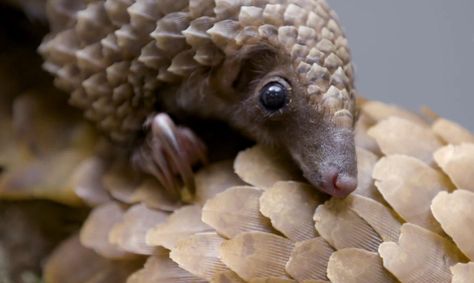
[[414, 53]]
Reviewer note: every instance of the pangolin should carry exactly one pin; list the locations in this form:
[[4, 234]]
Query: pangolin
[[279, 71]]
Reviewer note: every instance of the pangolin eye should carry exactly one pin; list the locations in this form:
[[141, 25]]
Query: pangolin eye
[[274, 96]]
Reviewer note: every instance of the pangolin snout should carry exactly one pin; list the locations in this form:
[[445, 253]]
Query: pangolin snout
[[328, 162], [337, 183]]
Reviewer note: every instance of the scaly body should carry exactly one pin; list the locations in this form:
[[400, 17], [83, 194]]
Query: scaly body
[[280, 71]]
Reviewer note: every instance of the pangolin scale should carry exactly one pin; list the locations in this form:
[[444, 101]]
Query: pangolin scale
[[125, 60]]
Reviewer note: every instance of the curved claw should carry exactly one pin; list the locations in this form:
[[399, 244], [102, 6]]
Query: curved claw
[[169, 152], [164, 129]]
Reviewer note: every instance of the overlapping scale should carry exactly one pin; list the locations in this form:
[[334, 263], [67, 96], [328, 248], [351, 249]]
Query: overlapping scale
[[72, 263], [309, 260], [235, 211], [266, 233], [290, 206], [353, 265], [199, 254], [130, 233], [457, 162], [409, 186], [463, 273], [399, 136], [95, 231], [214, 179], [261, 167], [420, 256], [451, 132], [161, 269], [343, 228], [455, 214], [366, 161], [379, 111], [257, 255], [182, 223]]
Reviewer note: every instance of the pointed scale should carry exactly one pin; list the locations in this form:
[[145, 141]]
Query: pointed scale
[[182, 223], [290, 207], [257, 255], [343, 228], [309, 260], [199, 254], [261, 167], [234, 211], [87, 181], [380, 217], [213, 179], [451, 132], [379, 111], [161, 269], [399, 136], [130, 233], [353, 265], [70, 262], [463, 273], [362, 138], [409, 185], [455, 213], [420, 256], [457, 161], [95, 230], [366, 161]]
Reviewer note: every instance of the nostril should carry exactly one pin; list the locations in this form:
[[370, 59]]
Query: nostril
[[344, 185], [338, 184], [334, 180]]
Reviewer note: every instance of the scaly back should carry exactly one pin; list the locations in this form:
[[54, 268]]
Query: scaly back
[[113, 56]]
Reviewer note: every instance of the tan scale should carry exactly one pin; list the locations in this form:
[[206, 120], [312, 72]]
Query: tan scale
[[95, 231], [161, 269], [130, 233], [309, 260], [182, 223], [353, 265], [289, 206], [455, 214], [199, 254], [420, 256], [457, 162], [356, 221], [409, 185], [463, 273]]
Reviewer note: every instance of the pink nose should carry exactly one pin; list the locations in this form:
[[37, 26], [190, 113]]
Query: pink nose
[[338, 184]]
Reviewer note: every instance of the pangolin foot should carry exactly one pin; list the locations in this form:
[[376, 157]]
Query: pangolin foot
[[168, 153]]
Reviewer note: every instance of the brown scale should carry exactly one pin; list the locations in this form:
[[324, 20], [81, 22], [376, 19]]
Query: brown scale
[[212, 58]]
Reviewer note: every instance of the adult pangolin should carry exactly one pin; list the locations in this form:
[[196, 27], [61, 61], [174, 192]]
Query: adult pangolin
[[278, 70]]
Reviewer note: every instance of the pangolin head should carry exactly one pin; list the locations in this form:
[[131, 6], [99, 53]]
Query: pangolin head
[[295, 84]]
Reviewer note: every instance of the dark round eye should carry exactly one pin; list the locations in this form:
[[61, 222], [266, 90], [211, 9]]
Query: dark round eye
[[273, 96]]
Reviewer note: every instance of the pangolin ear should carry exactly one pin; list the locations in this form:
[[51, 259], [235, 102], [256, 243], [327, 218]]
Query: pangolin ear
[[254, 64], [241, 71]]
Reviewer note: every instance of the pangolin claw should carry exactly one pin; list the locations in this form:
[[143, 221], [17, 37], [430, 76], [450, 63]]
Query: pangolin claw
[[168, 153]]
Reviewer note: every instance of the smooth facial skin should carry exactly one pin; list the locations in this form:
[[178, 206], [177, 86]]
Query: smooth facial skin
[[260, 92]]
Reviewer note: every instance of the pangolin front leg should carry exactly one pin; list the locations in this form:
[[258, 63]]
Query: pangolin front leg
[[168, 153]]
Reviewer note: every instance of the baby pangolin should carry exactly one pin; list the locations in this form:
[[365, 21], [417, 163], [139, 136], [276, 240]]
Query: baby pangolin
[[278, 70]]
